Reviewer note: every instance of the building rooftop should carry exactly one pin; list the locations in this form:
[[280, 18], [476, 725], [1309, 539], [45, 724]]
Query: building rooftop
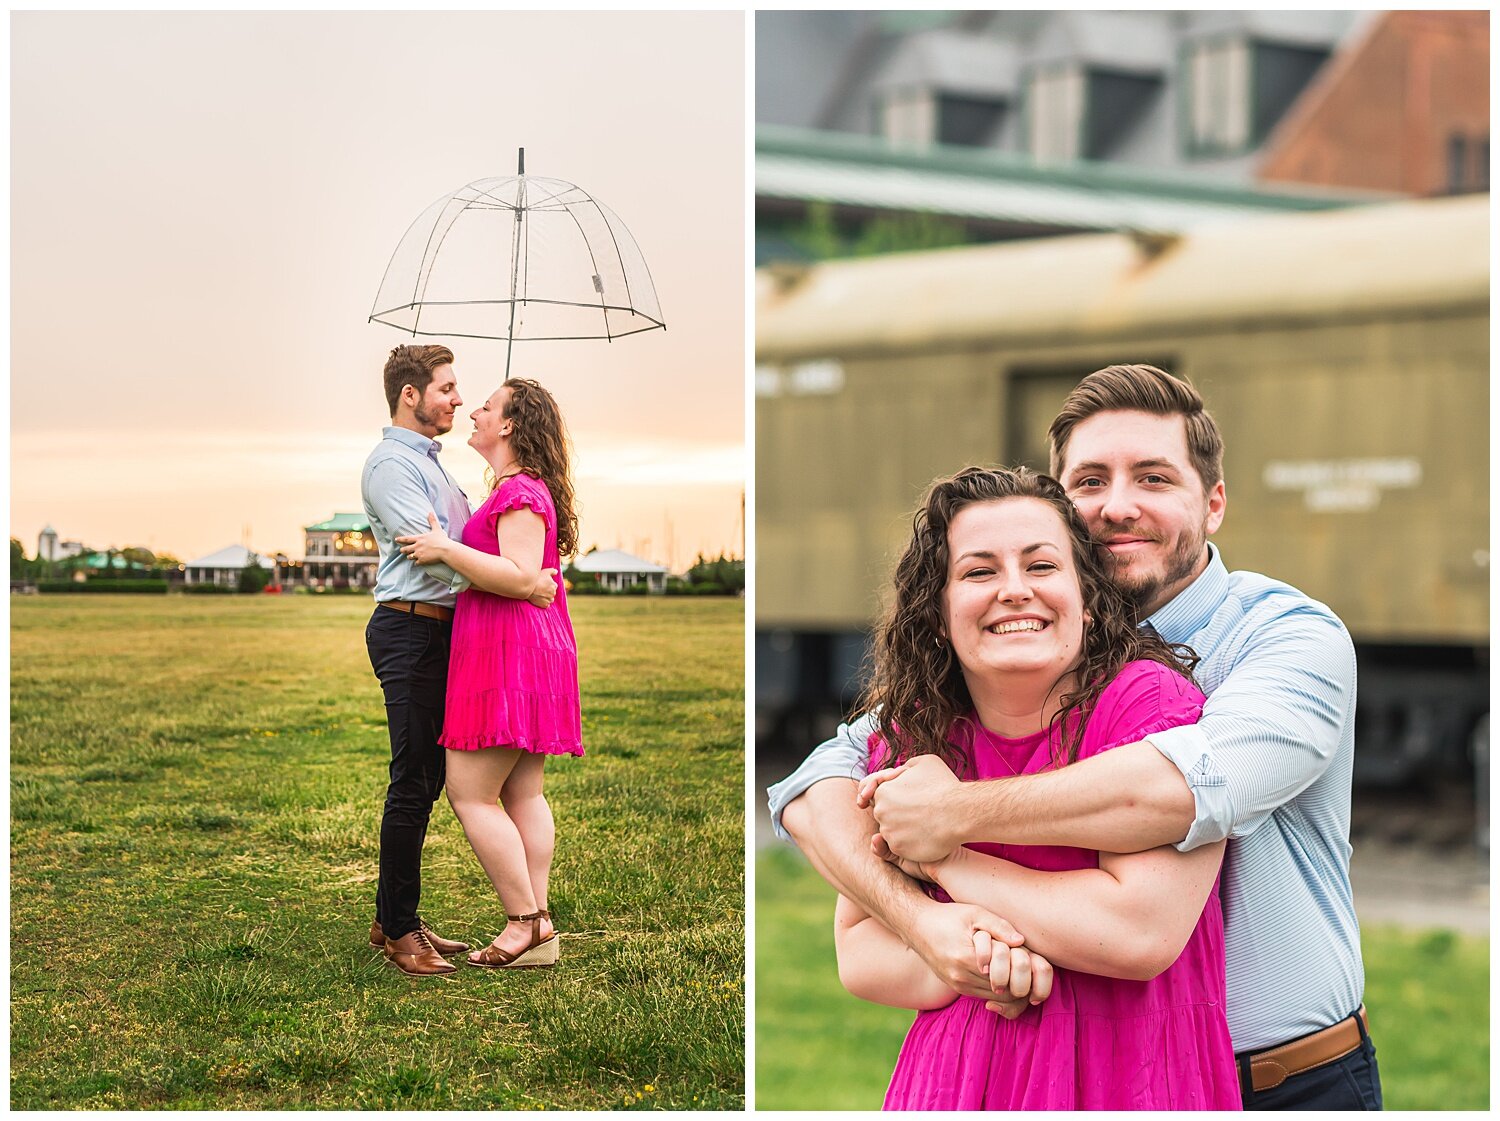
[[614, 560], [104, 560], [341, 523], [863, 171], [232, 556]]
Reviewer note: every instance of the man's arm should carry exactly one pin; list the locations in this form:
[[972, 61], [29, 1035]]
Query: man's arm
[[1271, 728], [845, 755], [399, 498], [815, 808], [1126, 800], [1267, 732], [514, 573]]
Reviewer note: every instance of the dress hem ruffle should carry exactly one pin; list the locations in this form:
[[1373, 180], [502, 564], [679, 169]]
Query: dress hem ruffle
[[480, 743]]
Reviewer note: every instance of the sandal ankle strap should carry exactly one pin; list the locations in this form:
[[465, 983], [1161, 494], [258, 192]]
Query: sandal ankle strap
[[528, 918]]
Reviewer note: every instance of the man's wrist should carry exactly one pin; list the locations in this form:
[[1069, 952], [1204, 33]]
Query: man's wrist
[[906, 923], [961, 816]]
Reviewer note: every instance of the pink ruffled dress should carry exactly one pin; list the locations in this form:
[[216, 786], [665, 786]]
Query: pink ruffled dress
[[1097, 1042], [513, 668]]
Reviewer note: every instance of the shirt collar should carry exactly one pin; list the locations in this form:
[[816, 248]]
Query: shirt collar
[[1189, 611], [414, 440]]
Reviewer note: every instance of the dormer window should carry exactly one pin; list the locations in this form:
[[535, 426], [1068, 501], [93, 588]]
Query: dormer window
[[1238, 89], [1077, 112], [921, 116]]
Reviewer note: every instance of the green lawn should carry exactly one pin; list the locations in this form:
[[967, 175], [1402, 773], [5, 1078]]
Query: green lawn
[[819, 1048], [195, 799]]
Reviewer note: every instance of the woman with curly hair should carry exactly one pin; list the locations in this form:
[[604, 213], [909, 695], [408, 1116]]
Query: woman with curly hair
[[1006, 651], [513, 672]]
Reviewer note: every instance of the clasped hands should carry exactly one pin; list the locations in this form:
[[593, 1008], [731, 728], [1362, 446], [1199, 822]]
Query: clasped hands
[[436, 547], [970, 948]]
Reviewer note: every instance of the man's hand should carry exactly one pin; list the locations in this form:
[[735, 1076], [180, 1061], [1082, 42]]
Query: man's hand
[[913, 807], [430, 547], [546, 589], [958, 942]]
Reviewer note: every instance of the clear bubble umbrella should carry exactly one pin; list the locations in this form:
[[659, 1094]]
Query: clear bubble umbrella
[[518, 258]]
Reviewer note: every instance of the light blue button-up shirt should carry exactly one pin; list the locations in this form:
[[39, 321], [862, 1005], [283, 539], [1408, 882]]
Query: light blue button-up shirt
[[1269, 765], [402, 483]]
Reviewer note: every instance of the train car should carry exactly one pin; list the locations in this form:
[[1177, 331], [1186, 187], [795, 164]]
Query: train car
[[1345, 355]]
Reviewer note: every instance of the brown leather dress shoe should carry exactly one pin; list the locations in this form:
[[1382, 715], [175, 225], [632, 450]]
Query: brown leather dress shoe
[[415, 956], [444, 946]]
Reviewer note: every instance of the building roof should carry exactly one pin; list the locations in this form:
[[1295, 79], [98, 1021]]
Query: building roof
[[951, 62], [341, 523], [1128, 42], [865, 171], [232, 556], [104, 560], [614, 560]]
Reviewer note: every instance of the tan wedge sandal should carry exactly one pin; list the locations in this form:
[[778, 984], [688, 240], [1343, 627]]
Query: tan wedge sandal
[[542, 953]]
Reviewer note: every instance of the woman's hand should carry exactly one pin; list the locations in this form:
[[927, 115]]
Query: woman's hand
[[428, 548], [546, 589], [929, 870]]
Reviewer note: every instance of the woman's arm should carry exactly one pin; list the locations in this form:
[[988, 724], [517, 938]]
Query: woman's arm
[[517, 573], [877, 966], [1128, 918]]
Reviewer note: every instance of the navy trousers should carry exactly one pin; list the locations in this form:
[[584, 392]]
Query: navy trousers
[[409, 654]]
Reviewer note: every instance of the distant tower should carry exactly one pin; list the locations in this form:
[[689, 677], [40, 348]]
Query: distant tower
[[46, 544]]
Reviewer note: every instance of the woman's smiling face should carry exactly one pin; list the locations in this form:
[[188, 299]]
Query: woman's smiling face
[[490, 421], [1012, 604]]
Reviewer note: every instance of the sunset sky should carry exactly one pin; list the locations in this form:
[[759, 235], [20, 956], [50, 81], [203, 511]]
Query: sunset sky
[[203, 205]]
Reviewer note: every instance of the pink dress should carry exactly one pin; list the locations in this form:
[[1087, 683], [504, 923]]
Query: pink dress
[[1097, 1042], [513, 668]]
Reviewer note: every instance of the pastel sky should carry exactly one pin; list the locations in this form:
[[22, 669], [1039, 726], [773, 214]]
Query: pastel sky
[[203, 205]]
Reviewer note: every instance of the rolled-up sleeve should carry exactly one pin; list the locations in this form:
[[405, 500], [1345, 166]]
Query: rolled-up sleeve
[[846, 755], [399, 498], [1269, 730]]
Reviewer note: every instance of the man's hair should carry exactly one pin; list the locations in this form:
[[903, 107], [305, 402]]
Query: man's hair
[[413, 366], [1143, 389]]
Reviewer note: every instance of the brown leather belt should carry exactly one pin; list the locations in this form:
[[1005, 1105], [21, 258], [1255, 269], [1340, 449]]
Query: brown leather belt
[[1269, 1069], [417, 607]]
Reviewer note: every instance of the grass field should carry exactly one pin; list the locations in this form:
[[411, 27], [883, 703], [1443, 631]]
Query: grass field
[[817, 1047], [195, 798]]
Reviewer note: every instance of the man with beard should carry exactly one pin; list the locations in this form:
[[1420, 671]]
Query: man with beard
[[408, 636], [1268, 766]]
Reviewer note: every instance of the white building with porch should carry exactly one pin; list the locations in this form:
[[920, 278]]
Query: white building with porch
[[617, 570], [223, 567]]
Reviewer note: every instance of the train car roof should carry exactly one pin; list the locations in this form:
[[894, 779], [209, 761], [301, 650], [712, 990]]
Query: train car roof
[[1381, 259]]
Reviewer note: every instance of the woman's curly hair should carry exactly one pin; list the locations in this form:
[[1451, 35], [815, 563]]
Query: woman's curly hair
[[539, 441], [917, 687]]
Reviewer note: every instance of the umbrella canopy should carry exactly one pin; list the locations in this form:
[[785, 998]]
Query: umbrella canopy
[[521, 257]]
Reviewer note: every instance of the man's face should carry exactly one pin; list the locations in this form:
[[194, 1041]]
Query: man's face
[[434, 412], [1131, 478]]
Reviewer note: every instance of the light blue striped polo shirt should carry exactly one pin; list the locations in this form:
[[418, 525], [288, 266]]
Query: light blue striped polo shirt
[[1269, 765], [402, 482]]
